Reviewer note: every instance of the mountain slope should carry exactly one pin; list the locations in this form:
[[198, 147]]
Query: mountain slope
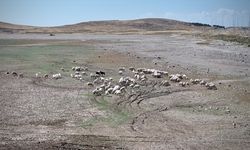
[[139, 25]]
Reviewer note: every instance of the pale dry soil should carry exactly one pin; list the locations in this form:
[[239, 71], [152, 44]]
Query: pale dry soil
[[38, 113]]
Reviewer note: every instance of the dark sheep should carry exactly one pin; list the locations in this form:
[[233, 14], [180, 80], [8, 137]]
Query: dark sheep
[[14, 73], [100, 73]]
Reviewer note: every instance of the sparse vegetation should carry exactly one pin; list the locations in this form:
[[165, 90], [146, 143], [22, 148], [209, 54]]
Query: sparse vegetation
[[233, 38], [114, 116]]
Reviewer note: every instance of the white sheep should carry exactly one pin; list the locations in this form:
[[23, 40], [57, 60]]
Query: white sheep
[[175, 78], [156, 74], [94, 76], [137, 76], [122, 69], [211, 86], [136, 86], [98, 91], [107, 85], [120, 72], [57, 76], [148, 71], [184, 76], [108, 91], [78, 76], [183, 84], [202, 82], [164, 73], [117, 87], [38, 75], [195, 81], [77, 72], [118, 92]]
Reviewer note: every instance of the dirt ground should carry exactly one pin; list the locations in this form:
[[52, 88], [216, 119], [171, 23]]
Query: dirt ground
[[40, 113]]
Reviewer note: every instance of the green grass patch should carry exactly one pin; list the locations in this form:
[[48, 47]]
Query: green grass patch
[[114, 116], [47, 58], [233, 38]]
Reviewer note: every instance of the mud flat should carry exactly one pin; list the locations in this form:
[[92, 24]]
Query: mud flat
[[41, 113]]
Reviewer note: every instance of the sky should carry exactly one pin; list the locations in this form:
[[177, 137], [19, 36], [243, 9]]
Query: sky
[[61, 12]]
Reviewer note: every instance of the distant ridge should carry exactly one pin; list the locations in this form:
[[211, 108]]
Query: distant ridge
[[110, 26]]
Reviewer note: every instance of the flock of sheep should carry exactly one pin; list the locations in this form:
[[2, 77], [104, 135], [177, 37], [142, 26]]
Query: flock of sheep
[[141, 75], [107, 85]]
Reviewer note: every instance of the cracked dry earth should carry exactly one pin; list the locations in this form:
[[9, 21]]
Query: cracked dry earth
[[39, 113]]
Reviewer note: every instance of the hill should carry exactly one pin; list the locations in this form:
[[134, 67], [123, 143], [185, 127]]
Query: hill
[[111, 26]]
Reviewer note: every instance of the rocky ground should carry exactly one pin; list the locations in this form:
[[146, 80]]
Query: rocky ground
[[45, 113]]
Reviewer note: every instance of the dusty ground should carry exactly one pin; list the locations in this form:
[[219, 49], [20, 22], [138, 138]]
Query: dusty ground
[[63, 114]]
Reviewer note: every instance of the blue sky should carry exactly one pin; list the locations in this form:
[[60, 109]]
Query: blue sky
[[60, 12]]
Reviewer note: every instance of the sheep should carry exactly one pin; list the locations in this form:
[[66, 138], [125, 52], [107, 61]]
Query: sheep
[[90, 84], [108, 91], [100, 73], [143, 78], [184, 76], [122, 69], [46, 76], [120, 72], [80, 68], [211, 86], [38, 74], [165, 83], [163, 73], [108, 85], [202, 82], [122, 89], [126, 81], [131, 68], [78, 76], [77, 73], [175, 78], [117, 87], [118, 92], [84, 73], [148, 71], [137, 76], [57, 76], [14, 73], [183, 84], [140, 69], [156, 74], [94, 76], [20, 75], [195, 81], [98, 91], [136, 86], [102, 86]]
